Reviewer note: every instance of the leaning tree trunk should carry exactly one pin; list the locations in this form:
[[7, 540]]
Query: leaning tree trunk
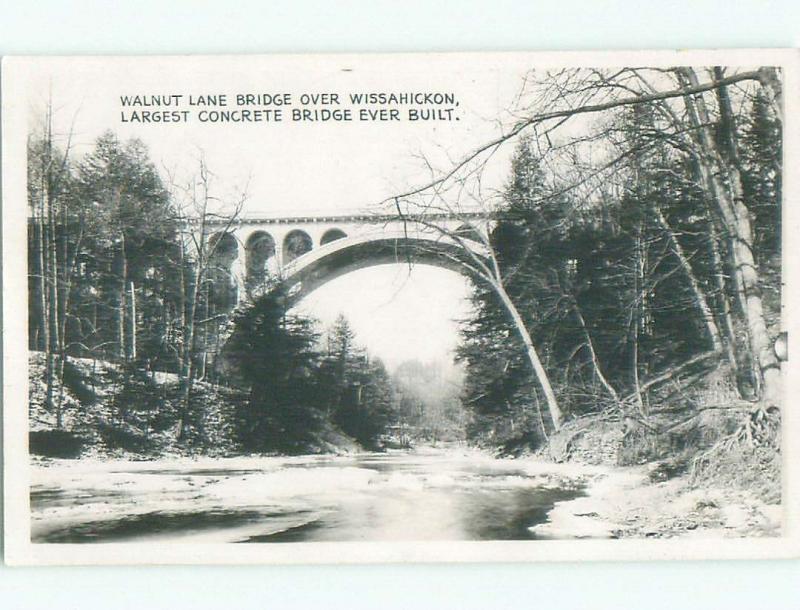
[[697, 291], [724, 301], [593, 354], [530, 350]]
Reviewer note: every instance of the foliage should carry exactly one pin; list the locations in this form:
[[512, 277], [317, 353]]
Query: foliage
[[114, 278], [368, 408], [618, 289], [276, 356], [55, 444], [297, 390], [132, 243]]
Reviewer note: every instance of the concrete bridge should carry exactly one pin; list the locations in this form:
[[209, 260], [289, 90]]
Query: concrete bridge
[[308, 251]]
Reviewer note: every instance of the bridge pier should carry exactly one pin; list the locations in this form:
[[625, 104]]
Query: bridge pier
[[239, 271]]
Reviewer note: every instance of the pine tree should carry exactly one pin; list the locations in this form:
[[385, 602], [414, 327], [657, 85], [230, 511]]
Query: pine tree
[[276, 355]]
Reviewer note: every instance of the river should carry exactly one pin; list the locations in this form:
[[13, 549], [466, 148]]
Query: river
[[410, 496]]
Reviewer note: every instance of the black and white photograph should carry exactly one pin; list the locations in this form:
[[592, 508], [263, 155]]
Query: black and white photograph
[[359, 308]]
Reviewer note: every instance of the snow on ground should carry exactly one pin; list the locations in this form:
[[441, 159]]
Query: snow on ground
[[625, 504]]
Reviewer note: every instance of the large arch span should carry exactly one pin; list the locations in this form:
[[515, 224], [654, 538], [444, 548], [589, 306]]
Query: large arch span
[[347, 254]]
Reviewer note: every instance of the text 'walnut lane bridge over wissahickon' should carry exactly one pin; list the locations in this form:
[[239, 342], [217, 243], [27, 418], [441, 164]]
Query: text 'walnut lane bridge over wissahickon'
[[251, 254]]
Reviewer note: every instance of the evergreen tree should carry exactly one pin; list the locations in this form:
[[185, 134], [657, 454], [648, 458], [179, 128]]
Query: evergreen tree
[[376, 408], [132, 252], [277, 357]]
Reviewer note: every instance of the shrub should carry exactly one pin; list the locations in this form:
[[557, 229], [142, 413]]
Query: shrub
[[55, 444]]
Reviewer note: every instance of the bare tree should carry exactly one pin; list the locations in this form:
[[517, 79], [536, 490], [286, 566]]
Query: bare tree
[[201, 221], [48, 178], [683, 101], [719, 167]]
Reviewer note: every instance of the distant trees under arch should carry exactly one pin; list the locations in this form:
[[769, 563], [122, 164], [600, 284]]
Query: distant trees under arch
[[222, 289], [295, 244], [259, 249]]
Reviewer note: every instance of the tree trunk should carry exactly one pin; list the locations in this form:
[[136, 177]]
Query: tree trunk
[[44, 300], [697, 291], [181, 302], [724, 305], [636, 317], [45, 331], [541, 375], [187, 373], [122, 301], [723, 181], [52, 273], [771, 81], [595, 362], [132, 331]]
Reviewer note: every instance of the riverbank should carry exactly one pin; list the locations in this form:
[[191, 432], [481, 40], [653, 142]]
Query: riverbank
[[738, 497], [119, 498], [625, 503], [106, 414]]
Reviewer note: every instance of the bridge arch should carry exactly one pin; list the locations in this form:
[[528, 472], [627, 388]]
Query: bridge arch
[[331, 235], [259, 252], [223, 247], [342, 256], [296, 243], [256, 252], [382, 246], [468, 231]]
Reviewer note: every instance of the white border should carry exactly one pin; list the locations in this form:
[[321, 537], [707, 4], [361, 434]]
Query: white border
[[20, 551]]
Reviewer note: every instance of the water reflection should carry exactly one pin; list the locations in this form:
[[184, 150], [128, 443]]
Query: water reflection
[[397, 496]]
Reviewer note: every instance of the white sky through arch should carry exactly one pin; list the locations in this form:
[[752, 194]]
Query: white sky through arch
[[397, 313]]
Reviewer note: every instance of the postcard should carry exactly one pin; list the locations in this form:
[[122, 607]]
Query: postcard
[[400, 308]]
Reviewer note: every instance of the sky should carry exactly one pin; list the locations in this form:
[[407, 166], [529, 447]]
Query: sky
[[287, 167], [298, 168], [397, 313]]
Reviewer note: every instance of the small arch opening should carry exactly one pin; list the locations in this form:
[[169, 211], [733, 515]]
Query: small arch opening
[[295, 244], [468, 231], [221, 288], [259, 249], [332, 235]]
